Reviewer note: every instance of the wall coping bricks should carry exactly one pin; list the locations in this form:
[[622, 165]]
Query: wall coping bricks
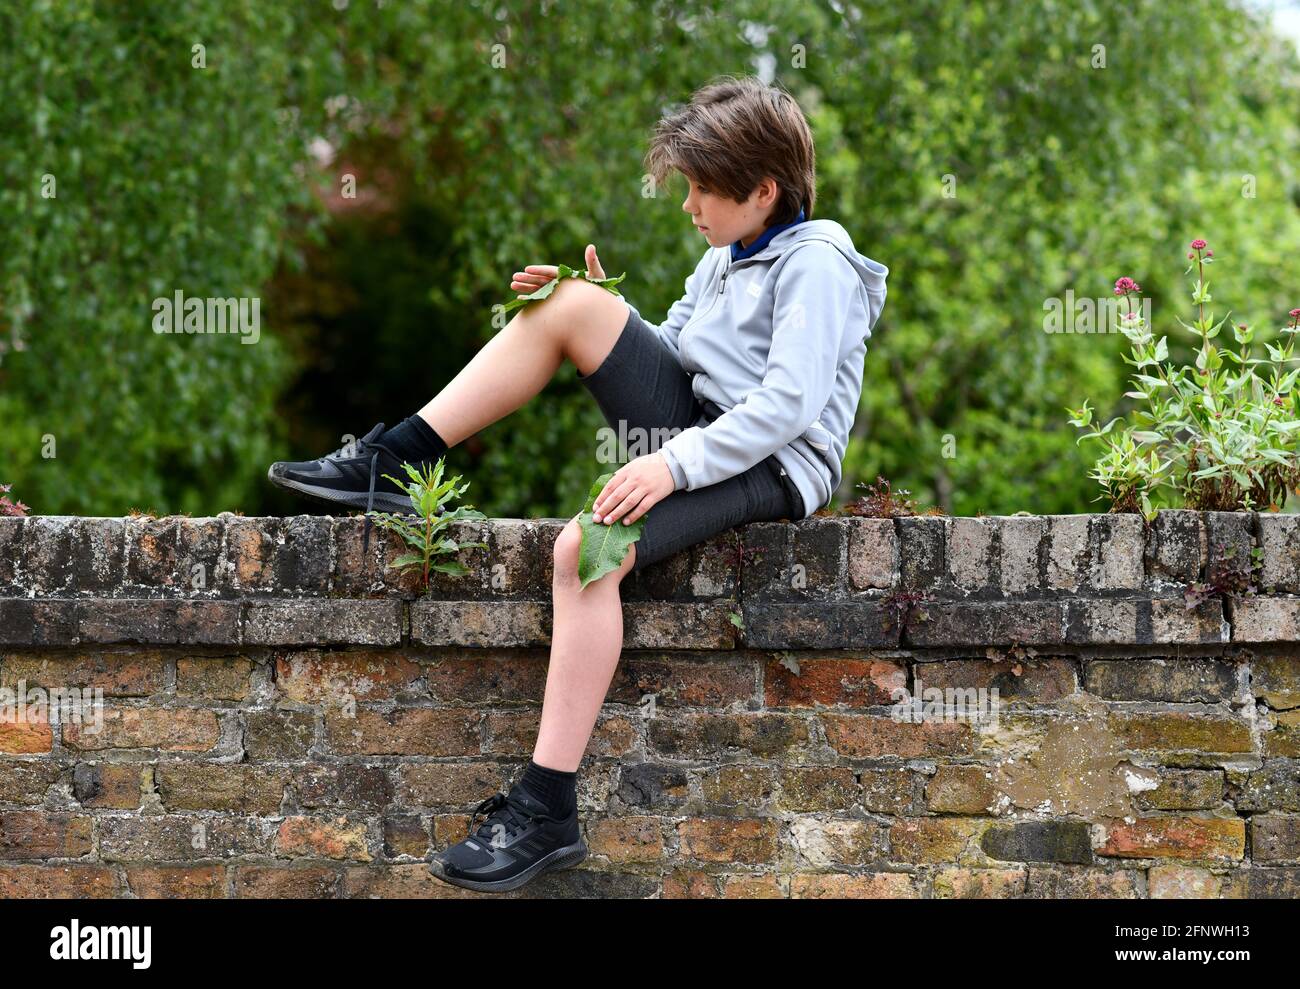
[[823, 582]]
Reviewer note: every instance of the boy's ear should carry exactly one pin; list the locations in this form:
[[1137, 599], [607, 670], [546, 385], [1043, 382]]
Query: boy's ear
[[767, 192]]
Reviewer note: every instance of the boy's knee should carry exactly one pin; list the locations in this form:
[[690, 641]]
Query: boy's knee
[[567, 550], [568, 545]]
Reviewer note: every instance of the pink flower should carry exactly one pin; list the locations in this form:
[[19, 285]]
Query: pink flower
[[1294, 314], [1131, 315], [1278, 401], [1209, 254], [1190, 255], [1198, 244], [1125, 285]]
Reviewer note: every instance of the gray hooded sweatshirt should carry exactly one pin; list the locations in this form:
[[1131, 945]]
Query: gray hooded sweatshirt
[[777, 341]]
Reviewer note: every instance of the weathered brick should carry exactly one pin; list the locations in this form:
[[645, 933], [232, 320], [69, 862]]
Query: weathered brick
[[1197, 838], [1181, 882], [240, 787], [962, 789], [405, 835], [1038, 841], [971, 555], [25, 782], [158, 621], [979, 884], [814, 788], [198, 556], [1175, 546], [866, 736], [28, 735], [1275, 838], [725, 839], [279, 735], [833, 843], [1177, 730], [327, 622], [449, 784], [1080, 883], [1275, 679], [1117, 546], [920, 552], [343, 786], [933, 839], [314, 677], [57, 882], [1067, 552], [110, 785], [405, 731], [957, 623], [11, 550], [215, 678], [177, 882], [627, 839], [99, 553], [1279, 537], [831, 682], [1183, 789], [863, 886], [821, 625], [274, 882], [1187, 680], [765, 735], [332, 838], [872, 554], [36, 834], [136, 673], [183, 837], [172, 729]]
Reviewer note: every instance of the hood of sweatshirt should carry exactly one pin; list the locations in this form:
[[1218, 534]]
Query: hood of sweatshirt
[[871, 273]]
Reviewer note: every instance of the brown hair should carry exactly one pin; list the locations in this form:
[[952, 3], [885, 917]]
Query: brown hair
[[732, 134]]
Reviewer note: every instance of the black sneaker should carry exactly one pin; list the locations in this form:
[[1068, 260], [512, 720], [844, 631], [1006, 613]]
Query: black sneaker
[[352, 475], [517, 842]]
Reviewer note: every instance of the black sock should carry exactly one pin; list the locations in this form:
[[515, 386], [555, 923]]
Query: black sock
[[414, 440], [556, 789]]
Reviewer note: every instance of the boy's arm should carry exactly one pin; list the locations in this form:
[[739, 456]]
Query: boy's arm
[[810, 319], [679, 312]]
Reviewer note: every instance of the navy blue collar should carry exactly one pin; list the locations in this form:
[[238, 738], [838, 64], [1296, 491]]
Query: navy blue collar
[[739, 253]]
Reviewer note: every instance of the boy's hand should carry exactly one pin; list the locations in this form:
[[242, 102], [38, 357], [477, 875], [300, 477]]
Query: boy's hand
[[534, 276], [633, 490]]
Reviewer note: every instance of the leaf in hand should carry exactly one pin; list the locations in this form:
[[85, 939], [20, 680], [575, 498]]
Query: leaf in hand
[[604, 547], [564, 272]]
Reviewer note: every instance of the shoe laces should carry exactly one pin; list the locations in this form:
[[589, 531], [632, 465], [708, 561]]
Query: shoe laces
[[503, 811], [359, 448]]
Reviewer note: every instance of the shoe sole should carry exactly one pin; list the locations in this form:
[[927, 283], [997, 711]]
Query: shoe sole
[[399, 504], [562, 858]]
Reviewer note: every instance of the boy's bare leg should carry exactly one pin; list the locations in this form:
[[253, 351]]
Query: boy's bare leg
[[580, 322], [586, 641]]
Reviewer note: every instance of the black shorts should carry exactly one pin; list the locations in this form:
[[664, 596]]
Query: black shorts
[[641, 385]]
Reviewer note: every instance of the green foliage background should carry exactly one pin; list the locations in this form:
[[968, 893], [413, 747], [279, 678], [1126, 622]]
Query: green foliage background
[[203, 179]]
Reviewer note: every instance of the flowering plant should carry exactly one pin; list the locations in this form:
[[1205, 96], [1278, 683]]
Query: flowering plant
[[1219, 436]]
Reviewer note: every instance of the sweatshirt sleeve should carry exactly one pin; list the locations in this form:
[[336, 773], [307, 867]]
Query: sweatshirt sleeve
[[679, 313], [810, 317]]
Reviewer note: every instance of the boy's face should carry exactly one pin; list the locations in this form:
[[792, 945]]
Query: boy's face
[[723, 221]]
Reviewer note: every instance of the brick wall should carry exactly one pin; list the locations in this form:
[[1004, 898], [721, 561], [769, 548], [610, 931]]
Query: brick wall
[[284, 716]]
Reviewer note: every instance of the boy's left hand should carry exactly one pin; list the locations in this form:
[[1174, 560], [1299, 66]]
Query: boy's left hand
[[633, 490]]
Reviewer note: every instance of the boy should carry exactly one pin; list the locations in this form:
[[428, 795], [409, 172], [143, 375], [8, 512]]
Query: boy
[[757, 370]]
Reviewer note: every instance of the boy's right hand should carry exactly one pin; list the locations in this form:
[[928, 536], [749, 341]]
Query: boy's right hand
[[534, 276]]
